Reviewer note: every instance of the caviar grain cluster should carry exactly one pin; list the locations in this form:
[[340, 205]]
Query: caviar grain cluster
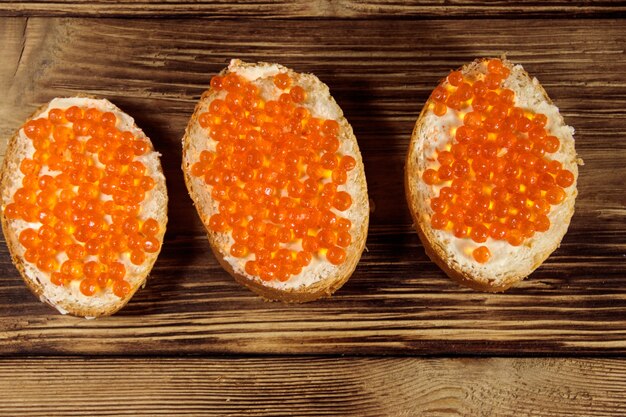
[[81, 197], [278, 176], [495, 178]]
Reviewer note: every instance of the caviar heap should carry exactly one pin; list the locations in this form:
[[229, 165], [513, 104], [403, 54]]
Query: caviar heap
[[494, 178], [81, 195], [277, 175]]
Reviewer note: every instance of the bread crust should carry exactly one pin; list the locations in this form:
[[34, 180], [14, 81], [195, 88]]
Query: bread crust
[[436, 250], [11, 161], [325, 286]]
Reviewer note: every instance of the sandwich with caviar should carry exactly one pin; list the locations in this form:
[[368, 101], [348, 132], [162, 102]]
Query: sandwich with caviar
[[84, 205], [276, 175], [491, 175]]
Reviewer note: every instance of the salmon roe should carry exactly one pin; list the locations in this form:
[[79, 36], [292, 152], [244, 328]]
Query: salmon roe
[[81, 194], [278, 176], [481, 254], [494, 178]]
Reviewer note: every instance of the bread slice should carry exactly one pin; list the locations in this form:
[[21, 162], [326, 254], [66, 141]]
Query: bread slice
[[320, 278], [68, 299], [508, 264]]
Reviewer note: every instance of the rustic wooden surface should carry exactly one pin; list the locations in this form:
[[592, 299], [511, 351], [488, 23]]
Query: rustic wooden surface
[[313, 387], [397, 302], [298, 9]]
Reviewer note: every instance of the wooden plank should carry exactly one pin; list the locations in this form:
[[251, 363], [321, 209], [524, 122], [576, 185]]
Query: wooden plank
[[397, 301], [350, 9], [14, 38], [312, 387]]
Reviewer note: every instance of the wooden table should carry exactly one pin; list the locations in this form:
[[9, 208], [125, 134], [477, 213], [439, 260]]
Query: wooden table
[[400, 339]]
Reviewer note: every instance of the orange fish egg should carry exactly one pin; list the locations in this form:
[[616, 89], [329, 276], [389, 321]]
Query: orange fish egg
[[494, 179], [481, 254], [278, 174]]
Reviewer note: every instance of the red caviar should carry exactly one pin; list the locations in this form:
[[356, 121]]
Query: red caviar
[[83, 186], [496, 177], [277, 175], [481, 254]]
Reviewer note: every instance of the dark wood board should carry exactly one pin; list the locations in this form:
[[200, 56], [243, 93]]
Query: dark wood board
[[312, 386], [306, 9], [381, 72]]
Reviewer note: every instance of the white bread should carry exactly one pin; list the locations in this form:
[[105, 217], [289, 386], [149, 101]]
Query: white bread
[[508, 264], [69, 299], [320, 278]]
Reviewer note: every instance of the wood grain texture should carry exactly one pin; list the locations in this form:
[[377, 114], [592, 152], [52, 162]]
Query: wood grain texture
[[381, 73], [282, 9], [313, 387]]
